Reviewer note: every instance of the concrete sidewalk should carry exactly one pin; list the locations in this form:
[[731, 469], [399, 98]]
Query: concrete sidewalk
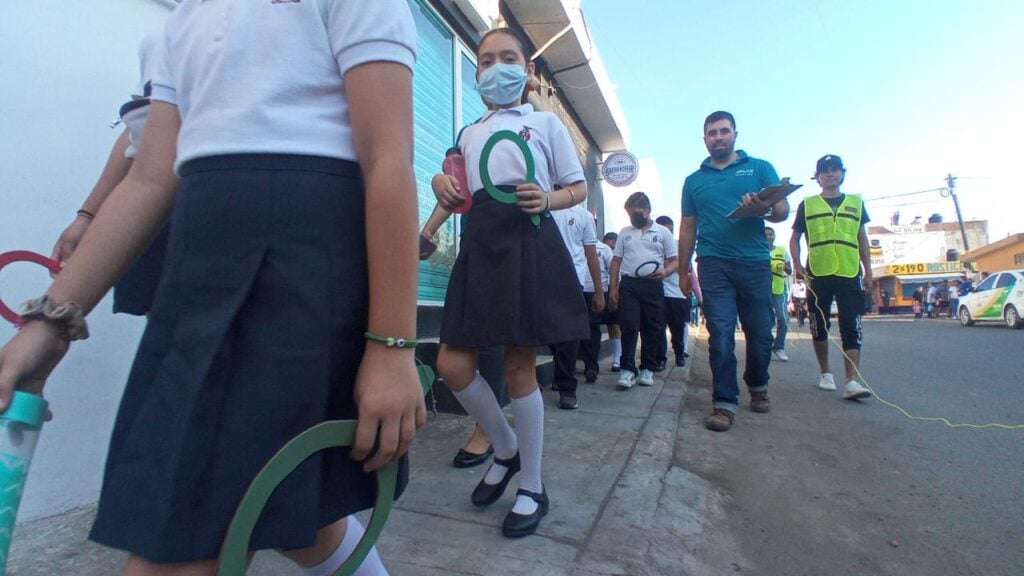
[[618, 505]]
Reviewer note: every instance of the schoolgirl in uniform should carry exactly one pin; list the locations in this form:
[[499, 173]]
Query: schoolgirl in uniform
[[293, 235], [513, 283]]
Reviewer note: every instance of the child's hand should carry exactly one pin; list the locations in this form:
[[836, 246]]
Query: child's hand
[[532, 199], [446, 189], [390, 402], [27, 360]]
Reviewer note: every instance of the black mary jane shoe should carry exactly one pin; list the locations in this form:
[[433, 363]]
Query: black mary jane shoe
[[519, 525], [486, 494], [466, 459]]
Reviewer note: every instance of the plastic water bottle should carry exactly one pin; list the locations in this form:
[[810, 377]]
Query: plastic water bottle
[[20, 425], [454, 165]]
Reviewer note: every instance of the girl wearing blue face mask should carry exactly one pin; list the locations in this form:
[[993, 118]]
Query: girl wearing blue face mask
[[513, 283]]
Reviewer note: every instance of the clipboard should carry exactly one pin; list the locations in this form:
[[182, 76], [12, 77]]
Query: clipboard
[[769, 194]]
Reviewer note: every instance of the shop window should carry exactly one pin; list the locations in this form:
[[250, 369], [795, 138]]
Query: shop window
[[438, 85]]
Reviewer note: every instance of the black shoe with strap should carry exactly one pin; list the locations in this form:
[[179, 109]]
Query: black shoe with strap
[[519, 525], [466, 459], [486, 494]]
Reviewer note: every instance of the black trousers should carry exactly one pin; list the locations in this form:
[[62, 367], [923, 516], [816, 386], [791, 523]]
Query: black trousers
[[590, 348], [676, 315], [640, 310]]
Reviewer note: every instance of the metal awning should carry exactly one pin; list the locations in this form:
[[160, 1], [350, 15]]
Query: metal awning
[[922, 278], [576, 66]]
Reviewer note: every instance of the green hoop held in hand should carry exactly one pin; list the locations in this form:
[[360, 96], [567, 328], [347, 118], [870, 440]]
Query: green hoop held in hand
[[234, 555], [485, 173]]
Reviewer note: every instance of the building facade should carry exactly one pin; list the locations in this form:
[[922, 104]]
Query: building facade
[[906, 257], [1004, 254]]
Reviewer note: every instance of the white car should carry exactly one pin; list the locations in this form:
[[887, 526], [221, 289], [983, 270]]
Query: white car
[[1000, 297]]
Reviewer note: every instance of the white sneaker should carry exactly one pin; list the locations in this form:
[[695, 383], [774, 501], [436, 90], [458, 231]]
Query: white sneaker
[[646, 378], [855, 391], [626, 378], [780, 355], [827, 382]]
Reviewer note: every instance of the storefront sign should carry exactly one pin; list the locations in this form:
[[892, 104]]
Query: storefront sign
[[620, 168], [925, 268]]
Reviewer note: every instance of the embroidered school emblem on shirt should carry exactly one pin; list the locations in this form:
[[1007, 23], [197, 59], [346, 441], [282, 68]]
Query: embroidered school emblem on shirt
[[746, 172], [525, 133]]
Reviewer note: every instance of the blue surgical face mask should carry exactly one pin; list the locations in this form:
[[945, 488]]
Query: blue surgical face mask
[[502, 83]]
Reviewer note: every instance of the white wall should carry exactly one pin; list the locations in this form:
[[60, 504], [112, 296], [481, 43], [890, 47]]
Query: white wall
[[66, 66]]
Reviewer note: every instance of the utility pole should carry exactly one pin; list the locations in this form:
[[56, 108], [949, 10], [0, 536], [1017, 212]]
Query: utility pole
[[951, 185]]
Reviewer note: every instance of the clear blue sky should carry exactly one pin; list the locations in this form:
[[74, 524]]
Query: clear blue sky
[[903, 91]]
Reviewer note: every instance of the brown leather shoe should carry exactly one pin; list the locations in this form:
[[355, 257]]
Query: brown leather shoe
[[759, 402], [719, 421]]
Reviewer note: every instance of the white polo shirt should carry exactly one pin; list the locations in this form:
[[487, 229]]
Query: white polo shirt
[[253, 76], [636, 246], [604, 258], [134, 112], [554, 154], [577, 228]]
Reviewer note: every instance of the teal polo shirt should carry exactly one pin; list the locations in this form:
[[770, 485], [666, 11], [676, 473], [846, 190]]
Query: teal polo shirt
[[710, 194]]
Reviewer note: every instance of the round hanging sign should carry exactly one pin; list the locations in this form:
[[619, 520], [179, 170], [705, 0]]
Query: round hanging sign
[[620, 168]]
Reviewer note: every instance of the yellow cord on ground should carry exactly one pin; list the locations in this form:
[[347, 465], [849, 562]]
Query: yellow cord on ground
[[891, 404]]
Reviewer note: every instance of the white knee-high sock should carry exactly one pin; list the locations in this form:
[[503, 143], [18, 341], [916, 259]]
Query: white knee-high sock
[[480, 403], [616, 350], [372, 566], [529, 414]]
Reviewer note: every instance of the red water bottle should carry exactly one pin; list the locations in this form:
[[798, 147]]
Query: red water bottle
[[454, 165]]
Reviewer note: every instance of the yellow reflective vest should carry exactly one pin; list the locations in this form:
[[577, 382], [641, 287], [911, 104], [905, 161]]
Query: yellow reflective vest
[[833, 248], [778, 270]]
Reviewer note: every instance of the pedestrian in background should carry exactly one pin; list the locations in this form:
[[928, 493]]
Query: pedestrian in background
[[676, 312], [734, 264], [838, 268], [644, 254], [782, 267], [578, 231], [610, 317]]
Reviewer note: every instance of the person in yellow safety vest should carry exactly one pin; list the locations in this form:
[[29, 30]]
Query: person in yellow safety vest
[[837, 254], [781, 269]]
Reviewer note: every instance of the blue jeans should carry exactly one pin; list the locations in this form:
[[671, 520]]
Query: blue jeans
[[732, 287], [781, 318]]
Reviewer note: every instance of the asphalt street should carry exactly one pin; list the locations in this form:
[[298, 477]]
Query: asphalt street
[[827, 486]]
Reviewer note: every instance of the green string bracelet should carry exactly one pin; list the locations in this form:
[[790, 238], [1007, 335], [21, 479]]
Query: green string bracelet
[[234, 555], [485, 173]]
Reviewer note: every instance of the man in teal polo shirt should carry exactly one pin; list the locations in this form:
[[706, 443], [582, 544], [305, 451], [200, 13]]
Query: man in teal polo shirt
[[734, 264]]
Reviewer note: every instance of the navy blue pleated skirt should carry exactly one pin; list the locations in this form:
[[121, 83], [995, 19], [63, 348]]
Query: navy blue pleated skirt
[[255, 335], [513, 282], [134, 292]]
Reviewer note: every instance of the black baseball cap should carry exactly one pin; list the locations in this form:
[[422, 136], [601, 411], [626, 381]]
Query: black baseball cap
[[829, 161]]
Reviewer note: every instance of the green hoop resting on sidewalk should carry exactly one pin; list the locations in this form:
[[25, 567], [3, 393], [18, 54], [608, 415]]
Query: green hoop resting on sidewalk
[[234, 555], [485, 172]]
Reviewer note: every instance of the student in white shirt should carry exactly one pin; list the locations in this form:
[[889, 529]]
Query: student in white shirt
[[133, 293], [293, 197], [676, 312], [610, 317], [645, 253], [513, 282], [580, 235]]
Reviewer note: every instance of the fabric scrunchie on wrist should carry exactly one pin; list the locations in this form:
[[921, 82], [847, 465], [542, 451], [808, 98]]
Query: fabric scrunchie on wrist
[[68, 316]]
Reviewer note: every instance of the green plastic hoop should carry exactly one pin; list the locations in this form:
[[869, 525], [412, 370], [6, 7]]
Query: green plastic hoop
[[485, 172], [234, 555]]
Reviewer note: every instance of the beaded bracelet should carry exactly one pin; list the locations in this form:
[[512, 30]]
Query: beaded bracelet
[[392, 342]]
